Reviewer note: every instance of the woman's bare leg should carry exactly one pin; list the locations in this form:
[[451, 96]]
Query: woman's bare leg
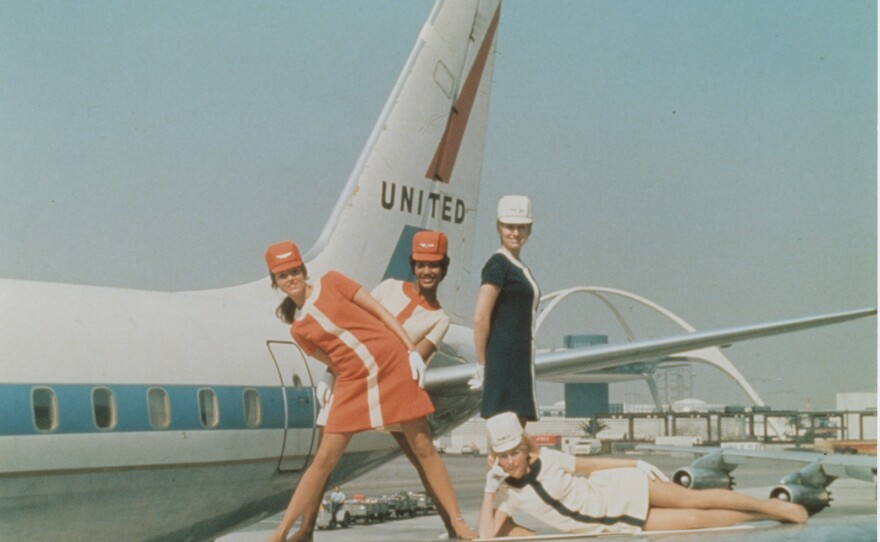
[[313, 482], [416, 433], [672, 519], [306, 530], [511, 528], [669, 495], [441, 510]]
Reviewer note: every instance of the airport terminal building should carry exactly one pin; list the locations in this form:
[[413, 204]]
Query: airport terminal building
[[850, 427]]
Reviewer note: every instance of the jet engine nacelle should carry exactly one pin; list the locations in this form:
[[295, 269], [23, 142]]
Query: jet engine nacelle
[[814, 499], [696, 478]]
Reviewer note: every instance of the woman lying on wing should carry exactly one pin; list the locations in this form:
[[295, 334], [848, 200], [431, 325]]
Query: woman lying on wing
[[581, 495]]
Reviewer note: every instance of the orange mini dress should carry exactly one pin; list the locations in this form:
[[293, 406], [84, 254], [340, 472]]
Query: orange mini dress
[[374, 384]]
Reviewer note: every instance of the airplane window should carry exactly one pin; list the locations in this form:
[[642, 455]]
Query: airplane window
[[104, 408], [159, 408], [45, 409], [253, 408], [208, 408], [297, 382]]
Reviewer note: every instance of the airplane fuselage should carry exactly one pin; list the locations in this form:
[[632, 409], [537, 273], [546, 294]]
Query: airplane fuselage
[[194, 409]]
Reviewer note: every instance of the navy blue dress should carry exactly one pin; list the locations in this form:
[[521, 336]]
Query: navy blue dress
[[509, 380]]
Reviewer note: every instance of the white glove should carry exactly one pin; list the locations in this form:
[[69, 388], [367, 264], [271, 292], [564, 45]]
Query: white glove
[[494, 477], [653, 472], [476, 381], [417, 366], [324, 389]]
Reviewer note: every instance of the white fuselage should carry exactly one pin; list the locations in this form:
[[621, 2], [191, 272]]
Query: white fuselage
[[153, 416]]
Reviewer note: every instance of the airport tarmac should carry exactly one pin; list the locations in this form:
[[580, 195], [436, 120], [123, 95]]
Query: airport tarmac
[[852, 516]]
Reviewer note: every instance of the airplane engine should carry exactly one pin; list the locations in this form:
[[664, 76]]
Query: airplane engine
[[807, 487], [696, 478], [814, 499]]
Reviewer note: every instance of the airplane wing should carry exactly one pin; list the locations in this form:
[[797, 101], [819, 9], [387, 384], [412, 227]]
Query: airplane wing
[[807, 486], [556, 363], [859, 467]]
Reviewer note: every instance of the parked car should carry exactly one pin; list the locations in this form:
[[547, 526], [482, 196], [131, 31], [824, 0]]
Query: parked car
[[470, 449]]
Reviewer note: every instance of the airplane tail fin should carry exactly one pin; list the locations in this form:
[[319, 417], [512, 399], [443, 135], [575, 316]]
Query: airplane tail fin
[[421, 166]]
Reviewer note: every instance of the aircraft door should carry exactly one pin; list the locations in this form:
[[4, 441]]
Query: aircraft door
[[299, 405]]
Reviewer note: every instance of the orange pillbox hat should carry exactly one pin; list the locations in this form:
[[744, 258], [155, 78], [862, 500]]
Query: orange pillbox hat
[[429, 246], [283, 256]]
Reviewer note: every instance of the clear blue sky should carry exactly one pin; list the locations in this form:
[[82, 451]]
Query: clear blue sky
[[716, 157]]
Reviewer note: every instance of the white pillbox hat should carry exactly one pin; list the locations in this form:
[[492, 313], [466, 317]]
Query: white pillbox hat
[[515, 210], [505, 432]]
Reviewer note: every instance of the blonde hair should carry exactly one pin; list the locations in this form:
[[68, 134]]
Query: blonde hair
[[530, 445]]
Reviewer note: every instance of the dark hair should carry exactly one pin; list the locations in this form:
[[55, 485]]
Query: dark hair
[[287, 309], [444, 266]]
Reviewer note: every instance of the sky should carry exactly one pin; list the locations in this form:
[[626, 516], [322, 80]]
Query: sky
[[718, 158]]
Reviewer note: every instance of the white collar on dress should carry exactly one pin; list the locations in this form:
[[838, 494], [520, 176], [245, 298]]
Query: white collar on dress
[[506, 253], [316, 291]]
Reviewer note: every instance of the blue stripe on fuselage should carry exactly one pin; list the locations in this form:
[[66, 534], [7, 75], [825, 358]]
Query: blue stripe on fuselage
[[75, 413]]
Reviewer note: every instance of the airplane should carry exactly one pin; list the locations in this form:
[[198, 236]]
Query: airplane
[[141, 415]]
